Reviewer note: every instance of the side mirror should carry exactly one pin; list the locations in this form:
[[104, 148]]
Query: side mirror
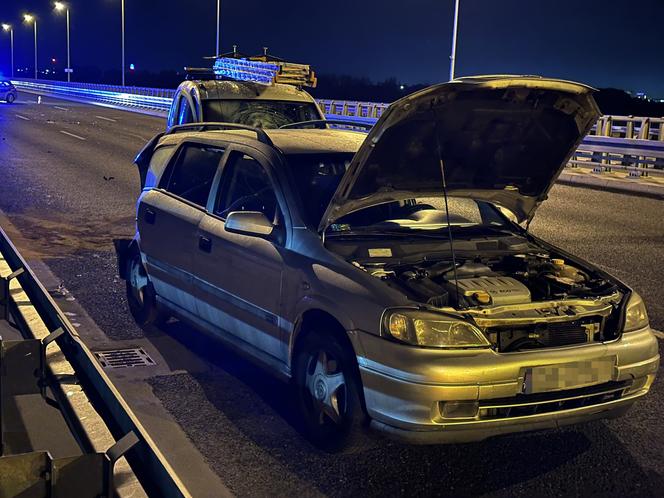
[[252, 223]]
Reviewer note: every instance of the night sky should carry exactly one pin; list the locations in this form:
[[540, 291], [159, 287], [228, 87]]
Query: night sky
[[605, 43]]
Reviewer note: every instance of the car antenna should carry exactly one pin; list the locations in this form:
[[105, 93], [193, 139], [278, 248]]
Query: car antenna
[[447, 209]]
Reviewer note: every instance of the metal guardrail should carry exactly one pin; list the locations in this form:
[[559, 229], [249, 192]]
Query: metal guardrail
[[156, 99], [632, 144], [153, 471]]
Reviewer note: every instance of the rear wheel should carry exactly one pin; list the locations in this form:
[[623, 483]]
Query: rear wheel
[[11, 98], [329, 395], [141, 296]]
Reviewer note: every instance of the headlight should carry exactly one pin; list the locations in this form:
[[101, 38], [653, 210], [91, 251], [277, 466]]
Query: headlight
[[636, 316], [423, 328]]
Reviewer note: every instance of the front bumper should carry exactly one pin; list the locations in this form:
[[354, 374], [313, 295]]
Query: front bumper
[[405, 388]]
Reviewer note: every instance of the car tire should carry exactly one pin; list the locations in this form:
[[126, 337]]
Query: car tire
[[10, 98], [326, 376], [141, 296]]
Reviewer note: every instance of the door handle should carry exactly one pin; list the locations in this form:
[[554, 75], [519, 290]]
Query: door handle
[[150, 216], [204, 244]]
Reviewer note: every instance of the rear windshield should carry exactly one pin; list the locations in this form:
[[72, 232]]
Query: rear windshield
[[259, 113]]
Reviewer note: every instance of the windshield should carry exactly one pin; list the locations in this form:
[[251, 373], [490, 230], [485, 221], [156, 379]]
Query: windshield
[[424, 215], [317, 177], [259, 113]]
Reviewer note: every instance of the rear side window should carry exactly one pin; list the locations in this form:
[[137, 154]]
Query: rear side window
[[158, 163], [192, 173]]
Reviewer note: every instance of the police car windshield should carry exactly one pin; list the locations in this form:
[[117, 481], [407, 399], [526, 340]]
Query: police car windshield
[[259, 113]]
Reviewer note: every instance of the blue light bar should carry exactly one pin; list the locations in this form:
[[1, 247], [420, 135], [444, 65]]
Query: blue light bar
[[264, 73]]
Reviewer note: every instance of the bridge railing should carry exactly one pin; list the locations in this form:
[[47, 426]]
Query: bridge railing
[[152, 99]]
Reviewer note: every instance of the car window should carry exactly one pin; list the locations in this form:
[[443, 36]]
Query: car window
[[158, 163], [186, 115], [426, 213], [259, 113], [316, 178], [192, 173], [246, 186]]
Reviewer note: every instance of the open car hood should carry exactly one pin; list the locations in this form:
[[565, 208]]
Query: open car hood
[[501, 139]]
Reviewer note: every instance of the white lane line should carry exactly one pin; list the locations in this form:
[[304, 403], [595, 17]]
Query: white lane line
[[72, 135], [137, 136], [658, 333], [61, 108], [106, 119], [22, 117]]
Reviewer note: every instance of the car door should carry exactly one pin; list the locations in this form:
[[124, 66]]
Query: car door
[[168, 218], [238, 277]]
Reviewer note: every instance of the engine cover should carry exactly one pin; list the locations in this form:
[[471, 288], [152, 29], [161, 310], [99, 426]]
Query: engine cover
[[500, 290]]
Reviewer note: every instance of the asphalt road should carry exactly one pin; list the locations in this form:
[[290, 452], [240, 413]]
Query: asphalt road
[[68, 186]]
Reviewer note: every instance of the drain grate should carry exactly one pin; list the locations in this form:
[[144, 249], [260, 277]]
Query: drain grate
[[124, 358]]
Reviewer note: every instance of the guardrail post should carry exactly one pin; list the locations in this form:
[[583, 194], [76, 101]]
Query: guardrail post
[[114, 453], [629, 127], [608, 126], [4, 293], [44, 344]]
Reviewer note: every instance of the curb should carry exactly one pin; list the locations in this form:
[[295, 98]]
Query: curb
[[633, 187]]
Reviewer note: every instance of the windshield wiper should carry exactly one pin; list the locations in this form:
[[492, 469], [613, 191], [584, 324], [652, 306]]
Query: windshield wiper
[[461, 231]]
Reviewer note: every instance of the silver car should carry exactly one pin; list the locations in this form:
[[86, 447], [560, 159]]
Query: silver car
[[391, 277], [241, 102], [8, 92]]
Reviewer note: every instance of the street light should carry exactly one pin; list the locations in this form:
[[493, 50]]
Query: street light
[[218, 19], [454, 39], [29, 18], [123, 43], [59, 7], [8, 27]]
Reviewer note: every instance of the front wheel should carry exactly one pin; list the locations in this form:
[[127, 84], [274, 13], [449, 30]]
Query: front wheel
[[328, 390], [11, 98], [141, 296]]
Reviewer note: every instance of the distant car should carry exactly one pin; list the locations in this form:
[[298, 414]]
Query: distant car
[[8, 92], [242, 102], [387, 275]]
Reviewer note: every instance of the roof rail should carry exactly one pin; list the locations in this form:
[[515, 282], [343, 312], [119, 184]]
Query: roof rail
[[260, 133], [323, 123], [199, 73]]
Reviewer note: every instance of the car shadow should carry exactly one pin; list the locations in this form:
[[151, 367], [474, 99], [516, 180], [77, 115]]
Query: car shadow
[[242, 414]]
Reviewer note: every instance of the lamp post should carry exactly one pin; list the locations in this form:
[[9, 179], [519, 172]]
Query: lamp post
[[454, 39], [123, 42], [59, 7], [29, 18], [218, 19], [8, 27]]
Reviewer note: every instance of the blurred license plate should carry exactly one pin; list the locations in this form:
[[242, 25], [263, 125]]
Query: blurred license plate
[[568, 375]]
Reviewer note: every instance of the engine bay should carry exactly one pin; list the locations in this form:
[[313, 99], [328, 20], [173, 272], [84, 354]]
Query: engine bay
[[521, 300], [490, 282]]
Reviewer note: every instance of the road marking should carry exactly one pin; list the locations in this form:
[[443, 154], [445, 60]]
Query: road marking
[[22, 117], [61, 108], [658, 333], [137, 136], [106, 119], [72, 135]]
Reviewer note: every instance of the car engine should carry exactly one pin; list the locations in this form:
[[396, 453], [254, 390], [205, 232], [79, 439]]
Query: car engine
[[521, 301]]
